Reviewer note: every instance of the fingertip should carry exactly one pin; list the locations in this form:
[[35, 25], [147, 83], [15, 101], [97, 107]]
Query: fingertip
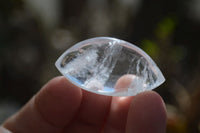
[[124, 81], [49, 110], [147, 114], [58, 101]]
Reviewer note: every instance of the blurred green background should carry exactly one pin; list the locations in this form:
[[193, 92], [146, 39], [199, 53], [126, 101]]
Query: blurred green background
[[34, 33]]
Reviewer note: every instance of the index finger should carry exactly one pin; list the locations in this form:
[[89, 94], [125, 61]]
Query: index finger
[[49, 110]]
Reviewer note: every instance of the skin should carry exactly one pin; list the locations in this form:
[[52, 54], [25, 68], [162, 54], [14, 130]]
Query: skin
[[61, 107]]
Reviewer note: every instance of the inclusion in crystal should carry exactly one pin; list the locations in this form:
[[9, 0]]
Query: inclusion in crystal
[[109, 66]]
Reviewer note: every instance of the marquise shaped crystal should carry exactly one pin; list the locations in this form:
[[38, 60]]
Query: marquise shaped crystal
[[109, 66]]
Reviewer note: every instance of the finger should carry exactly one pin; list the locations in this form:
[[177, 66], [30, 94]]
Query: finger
[[147, 114], [92, 114], [117, 118], [49, 111]]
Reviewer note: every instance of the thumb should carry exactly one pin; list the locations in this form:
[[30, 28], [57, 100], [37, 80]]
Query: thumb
[[147, 114]]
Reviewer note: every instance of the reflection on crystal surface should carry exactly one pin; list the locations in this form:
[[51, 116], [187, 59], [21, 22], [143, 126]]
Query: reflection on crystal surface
[[109, 66]]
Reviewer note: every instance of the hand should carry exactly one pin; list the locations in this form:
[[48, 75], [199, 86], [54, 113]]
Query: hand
[[61, 107]]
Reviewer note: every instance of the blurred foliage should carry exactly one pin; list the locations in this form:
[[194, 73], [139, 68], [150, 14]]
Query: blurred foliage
[[165, 28], [34, 33], [151, 48]]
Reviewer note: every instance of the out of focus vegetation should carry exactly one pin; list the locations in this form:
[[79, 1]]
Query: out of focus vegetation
[[33, 33]]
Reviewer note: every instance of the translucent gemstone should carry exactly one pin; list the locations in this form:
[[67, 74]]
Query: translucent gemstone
[[109, 66]]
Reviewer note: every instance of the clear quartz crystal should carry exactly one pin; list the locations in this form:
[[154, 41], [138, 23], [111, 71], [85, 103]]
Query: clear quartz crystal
[[109, 66]]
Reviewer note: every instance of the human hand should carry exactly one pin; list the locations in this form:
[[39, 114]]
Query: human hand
[[61, 107]]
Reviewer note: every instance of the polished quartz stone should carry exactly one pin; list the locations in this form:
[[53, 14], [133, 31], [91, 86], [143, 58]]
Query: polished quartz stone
[[109, 66]]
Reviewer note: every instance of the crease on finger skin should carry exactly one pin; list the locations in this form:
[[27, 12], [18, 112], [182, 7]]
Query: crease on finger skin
[[59, 102], [23, 122], [46, 113], [4, 130], [41, 115]]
